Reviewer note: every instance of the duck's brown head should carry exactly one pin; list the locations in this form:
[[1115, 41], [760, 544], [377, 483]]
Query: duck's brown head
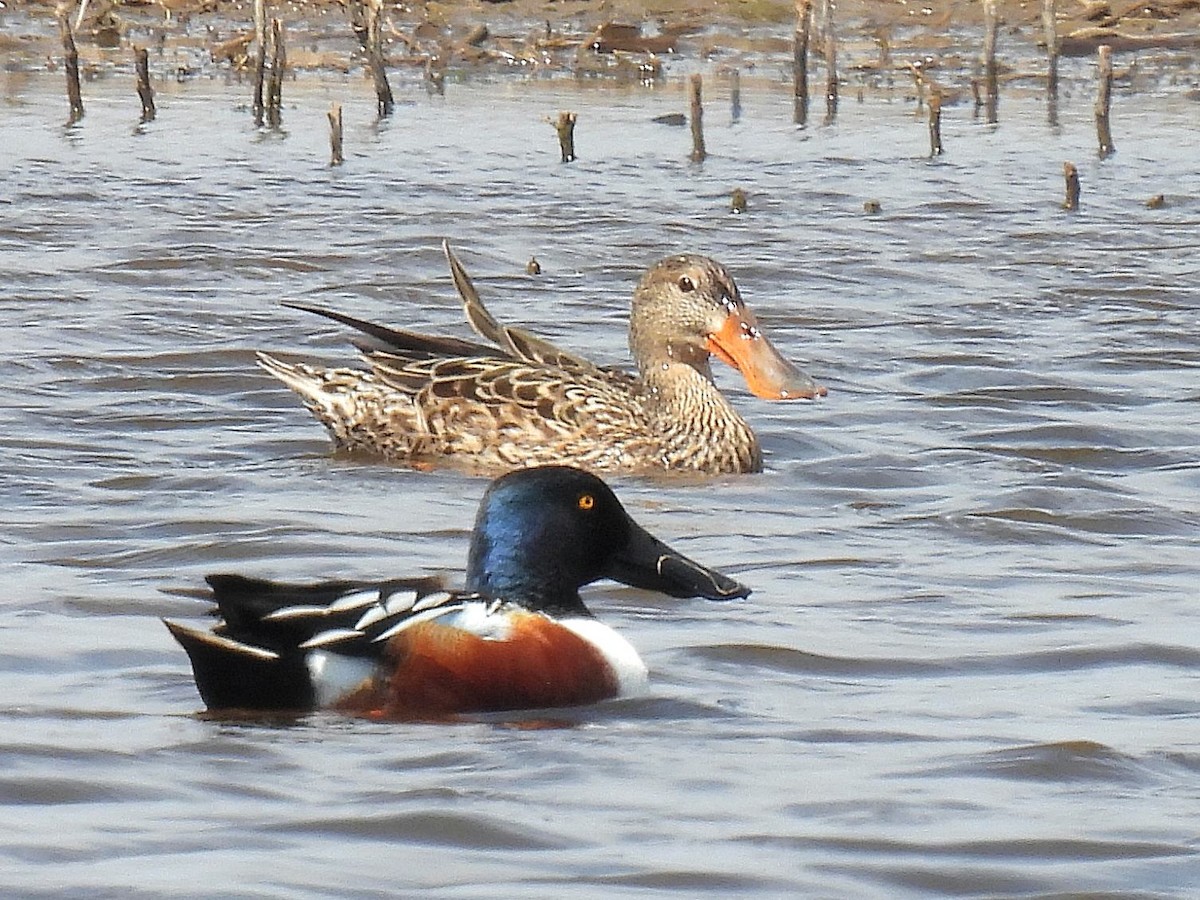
[[687, 308]]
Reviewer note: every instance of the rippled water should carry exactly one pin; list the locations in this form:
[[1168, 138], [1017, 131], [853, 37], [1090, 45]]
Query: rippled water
[[971, 661]]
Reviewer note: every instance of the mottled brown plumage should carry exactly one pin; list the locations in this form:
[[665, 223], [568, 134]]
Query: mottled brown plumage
[[526, 402]]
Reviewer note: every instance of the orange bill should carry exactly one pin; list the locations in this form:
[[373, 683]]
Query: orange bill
[[740, 344]]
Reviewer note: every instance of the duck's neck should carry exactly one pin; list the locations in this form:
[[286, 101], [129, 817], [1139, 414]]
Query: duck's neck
[[502, 568], [689, 412]]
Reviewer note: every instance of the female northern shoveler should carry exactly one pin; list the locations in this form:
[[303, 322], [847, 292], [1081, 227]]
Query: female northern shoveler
[[518, 637], [530, 403]]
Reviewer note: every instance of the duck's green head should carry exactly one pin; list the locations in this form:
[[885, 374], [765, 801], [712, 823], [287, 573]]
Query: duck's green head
[[541, 534]]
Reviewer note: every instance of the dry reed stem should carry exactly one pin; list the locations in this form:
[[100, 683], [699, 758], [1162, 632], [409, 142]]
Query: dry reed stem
[[360, 22], [1050, 32], [260, 58], [991, 15], [1071, 174], [935, 123], [565, 126], [71, 65], [145, 91], [694, 91], [335, 134], [800, 61], [1104, 75], [383, 91], [274, 98], [831, 74]]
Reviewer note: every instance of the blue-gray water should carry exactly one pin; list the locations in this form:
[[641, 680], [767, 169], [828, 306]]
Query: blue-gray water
[[971, 661]]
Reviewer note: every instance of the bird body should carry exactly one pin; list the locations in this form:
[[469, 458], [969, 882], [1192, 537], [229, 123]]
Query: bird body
[[522, 401], [518, 636]]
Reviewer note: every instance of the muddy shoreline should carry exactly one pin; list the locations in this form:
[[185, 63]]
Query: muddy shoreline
[[618, 39]]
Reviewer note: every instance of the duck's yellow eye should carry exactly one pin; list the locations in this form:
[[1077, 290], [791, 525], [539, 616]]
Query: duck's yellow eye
[[586, 501]]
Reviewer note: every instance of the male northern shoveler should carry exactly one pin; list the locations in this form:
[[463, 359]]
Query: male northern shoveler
[[530, 403], [518, 637]]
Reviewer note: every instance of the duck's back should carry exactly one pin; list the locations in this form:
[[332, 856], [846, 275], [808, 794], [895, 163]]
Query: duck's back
[[484, 412]]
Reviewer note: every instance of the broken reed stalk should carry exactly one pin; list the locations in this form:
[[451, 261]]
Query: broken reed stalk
[[383, 90], [883, 38], [260, 58], [918, 83], [1103, 100], [360, 22], [278, 65], [935, 123], [145, 92], [800, 61], [335, 134], [435, 74], [735, 95], [694, 88], [1071, 174], [936, 95], [1050, 30], [831, 75], [991, 16], [565, 126], [71, 64]]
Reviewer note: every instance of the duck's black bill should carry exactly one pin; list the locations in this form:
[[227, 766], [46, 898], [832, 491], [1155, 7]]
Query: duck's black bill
[[646, 562]]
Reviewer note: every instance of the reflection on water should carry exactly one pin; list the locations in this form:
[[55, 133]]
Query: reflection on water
[[970, 662]]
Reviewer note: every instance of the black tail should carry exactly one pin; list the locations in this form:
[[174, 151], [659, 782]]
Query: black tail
[[233, 675], [252, 659]]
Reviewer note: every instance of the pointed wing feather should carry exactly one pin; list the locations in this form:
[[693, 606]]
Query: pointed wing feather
[[516, 342], [332, 636], [383, 620], [360, 599], [397, 339], [278, 615], [296, 612]]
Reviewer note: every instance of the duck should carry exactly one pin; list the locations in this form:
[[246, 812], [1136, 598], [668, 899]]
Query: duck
[[523, 401], [517, 636]]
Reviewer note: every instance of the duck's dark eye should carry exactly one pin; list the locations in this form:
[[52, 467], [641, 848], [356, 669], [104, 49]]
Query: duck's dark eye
[[586, 501], [685, 284]]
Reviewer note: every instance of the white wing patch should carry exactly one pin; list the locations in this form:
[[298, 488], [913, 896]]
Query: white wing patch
[[402, 602], [632, 675], [357, 600], [486, 619], [333, 675], [437, 598], [376, 613], [329, 636], [295, 612]]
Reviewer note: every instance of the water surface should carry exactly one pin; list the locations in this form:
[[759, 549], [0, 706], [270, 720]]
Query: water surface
[[971, 661]]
